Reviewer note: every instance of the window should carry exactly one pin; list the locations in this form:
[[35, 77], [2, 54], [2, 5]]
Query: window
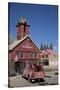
[[33, 55], [46, 62], [20, 54], [37, 67], [46, 56]]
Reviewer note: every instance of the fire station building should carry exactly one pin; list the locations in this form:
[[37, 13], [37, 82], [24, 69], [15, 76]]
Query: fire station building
[[23, 49]]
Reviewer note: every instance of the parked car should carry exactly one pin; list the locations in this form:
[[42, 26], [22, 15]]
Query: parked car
[[33, 72]]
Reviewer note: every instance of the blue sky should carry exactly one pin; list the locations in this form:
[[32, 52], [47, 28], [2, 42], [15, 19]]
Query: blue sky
[[43, 20]]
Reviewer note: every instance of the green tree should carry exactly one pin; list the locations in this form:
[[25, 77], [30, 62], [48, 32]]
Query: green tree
[[51, 46], [45, 47], [41, 47]]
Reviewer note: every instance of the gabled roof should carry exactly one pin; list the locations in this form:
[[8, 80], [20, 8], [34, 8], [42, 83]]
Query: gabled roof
[[50, 52], [15, 43]]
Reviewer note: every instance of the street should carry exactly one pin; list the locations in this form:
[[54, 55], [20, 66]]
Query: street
[[51, 78]]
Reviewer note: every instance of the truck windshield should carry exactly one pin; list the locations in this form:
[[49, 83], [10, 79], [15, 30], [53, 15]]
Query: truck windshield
[[37, 68]]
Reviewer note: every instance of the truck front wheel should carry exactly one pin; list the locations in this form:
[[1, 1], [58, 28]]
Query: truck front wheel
[[41, 80]]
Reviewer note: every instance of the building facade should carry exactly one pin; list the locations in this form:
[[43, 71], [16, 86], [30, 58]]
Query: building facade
[[23, 49]]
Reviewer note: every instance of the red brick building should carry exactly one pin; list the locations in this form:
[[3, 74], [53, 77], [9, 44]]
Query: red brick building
[[23, 49]]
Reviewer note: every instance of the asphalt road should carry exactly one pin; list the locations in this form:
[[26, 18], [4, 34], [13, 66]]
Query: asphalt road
[[51, 78]]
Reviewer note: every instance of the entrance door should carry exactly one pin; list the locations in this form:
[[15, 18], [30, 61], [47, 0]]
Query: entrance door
[[17, 67], [21, 67]]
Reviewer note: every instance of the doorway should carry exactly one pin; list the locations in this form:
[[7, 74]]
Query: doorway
[[19, 67]]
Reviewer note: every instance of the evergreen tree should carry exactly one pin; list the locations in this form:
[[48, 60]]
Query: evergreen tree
[[51, 46], [41, 47], [45, 46]]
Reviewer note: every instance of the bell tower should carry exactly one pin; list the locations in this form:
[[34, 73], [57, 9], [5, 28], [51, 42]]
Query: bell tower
[[22, 28]]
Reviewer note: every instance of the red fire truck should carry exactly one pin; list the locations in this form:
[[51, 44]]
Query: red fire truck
[[34, 72]]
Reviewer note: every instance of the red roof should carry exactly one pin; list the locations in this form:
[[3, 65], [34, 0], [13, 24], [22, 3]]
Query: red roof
[[50, 52], [47, 52]]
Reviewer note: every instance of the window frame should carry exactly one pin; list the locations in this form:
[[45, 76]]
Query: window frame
[[21, 55], [33, 55]]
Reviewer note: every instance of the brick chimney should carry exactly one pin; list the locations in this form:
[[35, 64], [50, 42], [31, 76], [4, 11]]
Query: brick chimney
[[22, 28]]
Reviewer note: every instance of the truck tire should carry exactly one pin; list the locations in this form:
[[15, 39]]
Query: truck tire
[[41, 80]]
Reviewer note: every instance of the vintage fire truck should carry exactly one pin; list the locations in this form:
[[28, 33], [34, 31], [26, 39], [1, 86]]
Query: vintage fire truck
[[34, 71]]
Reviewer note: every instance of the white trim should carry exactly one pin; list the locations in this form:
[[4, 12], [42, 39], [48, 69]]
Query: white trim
[[15, 43]]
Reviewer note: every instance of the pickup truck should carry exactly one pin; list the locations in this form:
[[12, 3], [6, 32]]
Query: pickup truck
[[34, 72]]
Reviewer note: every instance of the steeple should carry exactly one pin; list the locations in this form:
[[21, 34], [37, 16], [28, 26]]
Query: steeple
[[22, 28]]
